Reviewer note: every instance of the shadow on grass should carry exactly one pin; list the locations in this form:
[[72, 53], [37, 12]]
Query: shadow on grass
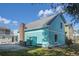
[[36, 51], [23, 52]]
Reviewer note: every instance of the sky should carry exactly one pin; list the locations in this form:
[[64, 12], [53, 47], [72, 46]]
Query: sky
[[11, 15], [14, 14]]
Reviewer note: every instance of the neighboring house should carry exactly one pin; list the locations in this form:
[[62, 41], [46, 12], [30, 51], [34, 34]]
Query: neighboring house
[[76, 36], [6, 36], [46, 32], [69, 31], [15, 35]]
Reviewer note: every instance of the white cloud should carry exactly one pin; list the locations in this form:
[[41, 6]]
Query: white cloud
[[46, 12], [4, 20], [7, 21], [40, 13], [59, 9], [14, 22]]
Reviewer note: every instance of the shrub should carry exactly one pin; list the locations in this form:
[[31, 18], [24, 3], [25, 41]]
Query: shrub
[[39, 51], [45, 52], [68, 42]]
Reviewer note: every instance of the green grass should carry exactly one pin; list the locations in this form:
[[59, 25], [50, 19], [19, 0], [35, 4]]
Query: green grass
[[72, 51], [40, 52]]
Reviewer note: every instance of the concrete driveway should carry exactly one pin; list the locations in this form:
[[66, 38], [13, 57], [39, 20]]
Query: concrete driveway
[[10, 47]]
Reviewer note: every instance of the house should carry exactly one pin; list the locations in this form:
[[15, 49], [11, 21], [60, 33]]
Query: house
[[69, 31], [6, 36], [45, 32], [76, 36]]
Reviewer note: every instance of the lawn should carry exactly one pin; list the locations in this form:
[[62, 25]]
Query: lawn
[[72, 51]]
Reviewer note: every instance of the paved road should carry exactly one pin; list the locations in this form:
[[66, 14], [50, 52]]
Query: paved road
[[10, 47]]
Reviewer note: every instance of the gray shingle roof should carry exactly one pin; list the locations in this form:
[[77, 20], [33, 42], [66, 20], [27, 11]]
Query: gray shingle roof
[[40, 22]]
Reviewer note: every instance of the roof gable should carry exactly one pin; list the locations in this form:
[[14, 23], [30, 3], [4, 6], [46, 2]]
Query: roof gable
[[41, 22]]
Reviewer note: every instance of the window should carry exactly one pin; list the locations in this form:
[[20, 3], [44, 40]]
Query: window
[[12, 39], [55, 37], [61, 25], [65, 32], [16, 37]]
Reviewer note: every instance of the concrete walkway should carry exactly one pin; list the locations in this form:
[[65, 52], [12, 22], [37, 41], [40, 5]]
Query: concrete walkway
[[10, 47]]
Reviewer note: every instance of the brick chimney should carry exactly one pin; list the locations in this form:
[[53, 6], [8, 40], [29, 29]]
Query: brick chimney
[[21, 32]]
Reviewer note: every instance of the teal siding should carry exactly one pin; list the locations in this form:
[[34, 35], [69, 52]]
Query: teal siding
[[37, 37], [55, 28], [45, 36]]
